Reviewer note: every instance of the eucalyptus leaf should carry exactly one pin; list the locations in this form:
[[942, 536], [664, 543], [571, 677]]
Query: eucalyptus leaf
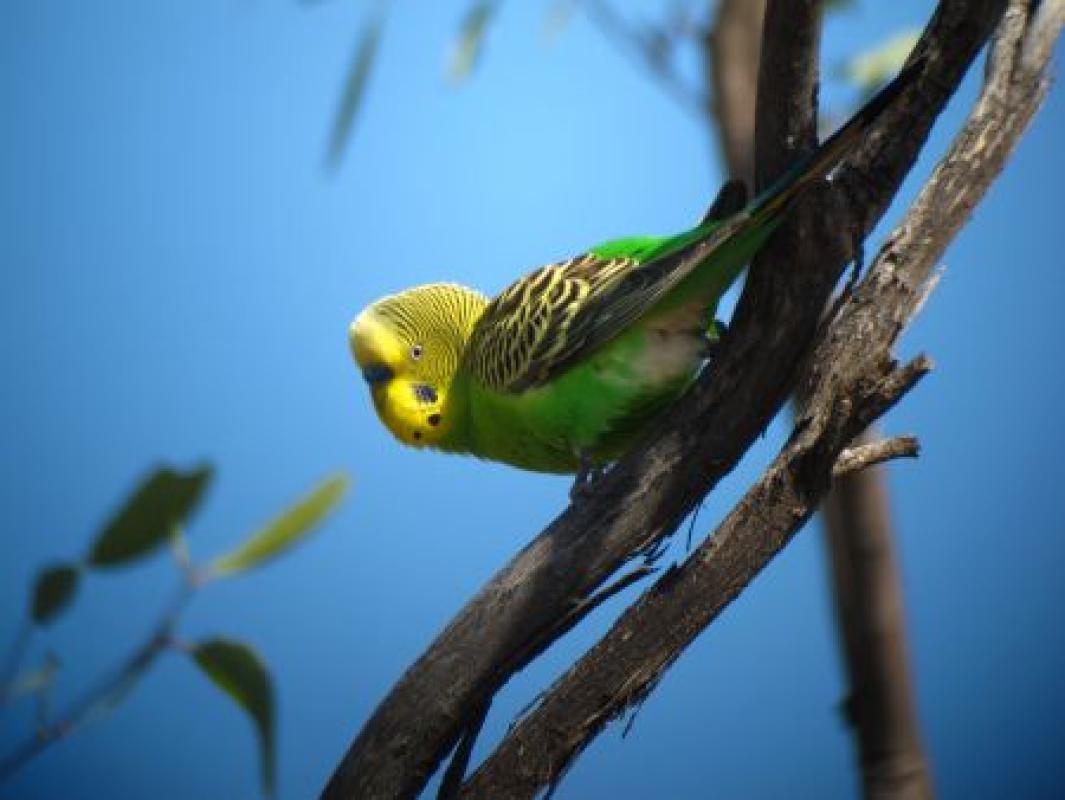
[[470, 43], [868, 71], [53, 591], [283, 532], [355, 87], [166, 498], [238, 671]]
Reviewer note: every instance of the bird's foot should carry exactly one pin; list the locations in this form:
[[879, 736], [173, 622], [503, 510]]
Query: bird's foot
[[587, 476], [715, 338]]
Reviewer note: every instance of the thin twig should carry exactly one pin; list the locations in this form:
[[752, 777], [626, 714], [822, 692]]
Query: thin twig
[[106, 692], [862, 456], [638, 46], [15, 656]]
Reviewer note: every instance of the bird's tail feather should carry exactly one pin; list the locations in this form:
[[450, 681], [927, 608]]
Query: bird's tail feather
[[788, 187]]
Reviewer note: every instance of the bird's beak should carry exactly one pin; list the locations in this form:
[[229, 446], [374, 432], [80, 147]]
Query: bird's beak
[[375, 374]]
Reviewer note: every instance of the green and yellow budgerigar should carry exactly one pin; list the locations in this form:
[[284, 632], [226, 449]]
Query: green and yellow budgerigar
[[566, 366]]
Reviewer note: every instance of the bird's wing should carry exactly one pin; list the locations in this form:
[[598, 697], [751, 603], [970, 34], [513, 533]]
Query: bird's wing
[[562, 313], [554, 317]]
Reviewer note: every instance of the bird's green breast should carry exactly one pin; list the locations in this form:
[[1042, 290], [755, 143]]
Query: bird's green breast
[[594, 410], [597, 408]]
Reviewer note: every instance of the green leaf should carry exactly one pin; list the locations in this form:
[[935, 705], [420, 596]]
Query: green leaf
[[839, 5], [283, 532], [164, 499], [355, 87], [53, 591], [238, 671], [870, 70], [468, 47]]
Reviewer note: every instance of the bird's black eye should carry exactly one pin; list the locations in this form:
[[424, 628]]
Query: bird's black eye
[[416, 352]]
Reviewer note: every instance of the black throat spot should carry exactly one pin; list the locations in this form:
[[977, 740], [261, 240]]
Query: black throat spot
[[424, 393]]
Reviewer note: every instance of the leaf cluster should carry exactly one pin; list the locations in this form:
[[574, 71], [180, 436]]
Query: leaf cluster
[[154, 514]]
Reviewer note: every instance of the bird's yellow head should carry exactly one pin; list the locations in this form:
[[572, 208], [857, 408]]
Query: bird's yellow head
[[409, 347]]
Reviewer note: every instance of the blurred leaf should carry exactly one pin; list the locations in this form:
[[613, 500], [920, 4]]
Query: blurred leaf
[[870, 70], [355, 87], [35, 681], [53, 591], [558, 18], [239, 672], [839, 5], [682, 22], [470, 43], [283, 532], [165, 499]]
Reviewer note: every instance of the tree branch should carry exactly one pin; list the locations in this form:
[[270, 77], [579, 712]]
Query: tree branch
[[645, 49], [732, 52], [869, 609], [859, 458], [649, 492], [624, 666], [853, 381], [106, 692], [867, 589], [857, 523], [890, 752], [872, 622]]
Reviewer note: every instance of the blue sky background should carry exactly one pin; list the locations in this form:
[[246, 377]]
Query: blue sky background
[[178, 275]]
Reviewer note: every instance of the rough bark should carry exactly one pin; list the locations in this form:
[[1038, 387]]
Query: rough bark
[[867, 589], [870, 609], [851, 380], [525, 606]]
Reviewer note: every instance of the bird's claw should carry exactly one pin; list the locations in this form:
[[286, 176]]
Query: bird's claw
[[714, 339], [584, 481]]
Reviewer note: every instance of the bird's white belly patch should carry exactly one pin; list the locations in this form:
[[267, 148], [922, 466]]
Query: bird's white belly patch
[[675, 345]]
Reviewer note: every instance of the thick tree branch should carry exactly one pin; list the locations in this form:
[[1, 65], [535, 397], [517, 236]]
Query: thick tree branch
[[856, 516], [732, 51], [620, 670], [856, 511], [650, 491], [890, 752], [867, 589], [853, 380]]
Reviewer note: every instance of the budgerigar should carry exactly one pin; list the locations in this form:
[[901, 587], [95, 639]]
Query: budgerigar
[[564, 369]]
